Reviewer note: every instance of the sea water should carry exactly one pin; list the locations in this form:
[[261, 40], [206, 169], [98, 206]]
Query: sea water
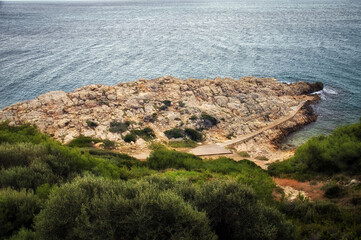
[[47, 46]]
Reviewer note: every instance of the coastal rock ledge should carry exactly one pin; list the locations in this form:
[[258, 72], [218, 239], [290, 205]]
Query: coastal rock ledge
[[240, 106]]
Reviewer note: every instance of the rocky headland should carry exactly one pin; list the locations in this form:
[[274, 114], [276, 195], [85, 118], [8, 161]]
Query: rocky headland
[[238, 106]]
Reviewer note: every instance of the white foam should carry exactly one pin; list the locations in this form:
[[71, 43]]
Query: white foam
[[328, 90]]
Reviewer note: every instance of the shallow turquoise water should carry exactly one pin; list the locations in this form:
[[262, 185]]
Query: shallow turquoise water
[[62, 46]]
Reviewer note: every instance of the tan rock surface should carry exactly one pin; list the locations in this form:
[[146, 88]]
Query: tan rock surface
[[241, 106]]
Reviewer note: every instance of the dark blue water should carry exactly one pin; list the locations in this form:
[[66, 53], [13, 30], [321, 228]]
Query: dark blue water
[[62, 46]]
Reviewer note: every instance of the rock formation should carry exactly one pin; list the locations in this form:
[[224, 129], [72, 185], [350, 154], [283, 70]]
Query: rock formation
[[240, 106]]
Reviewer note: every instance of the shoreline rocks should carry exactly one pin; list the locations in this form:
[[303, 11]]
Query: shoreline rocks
[[239, 106]]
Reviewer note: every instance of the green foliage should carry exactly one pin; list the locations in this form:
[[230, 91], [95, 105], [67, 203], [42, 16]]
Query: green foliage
[[119, 127], [243, 154], [262, 158], [83, 142], [44, 190], [23, 234], [334, 191], [91, 124], [209, 120], [163, 108], [181, 104], [322, 220], [339, 152], [145, 133], [236, 214], [17, 210], [19, 154], [174, 133], [182, 144], [193, 117], [92, 208], [245, 171], [18, 134], [167, 103], [164, 158], [130, 137], [193, 134], [107, 144]]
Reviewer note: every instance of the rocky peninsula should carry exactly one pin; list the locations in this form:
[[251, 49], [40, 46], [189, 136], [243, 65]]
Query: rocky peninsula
[[232, 108]]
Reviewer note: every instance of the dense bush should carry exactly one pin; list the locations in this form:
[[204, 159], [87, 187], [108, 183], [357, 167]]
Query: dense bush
[[83, 142], [145, 133], [119, 127], [17, 210], [209, 120], [168, 103], [339, 152], [235, 213], [164, 158], [174, 133], [107, 144], [91, 124], [23, 133], [322, 220], [193, 134], [130, 137], [243, 154], [93, 208], [19, 154]]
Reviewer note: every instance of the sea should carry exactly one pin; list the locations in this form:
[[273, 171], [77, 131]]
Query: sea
[[54, 45]]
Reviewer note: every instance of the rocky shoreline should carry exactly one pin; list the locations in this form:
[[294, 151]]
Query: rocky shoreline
[[238, 106]]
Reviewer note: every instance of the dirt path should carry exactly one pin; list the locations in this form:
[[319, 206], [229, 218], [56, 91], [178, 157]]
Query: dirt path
[[206, 151], [259, 131]]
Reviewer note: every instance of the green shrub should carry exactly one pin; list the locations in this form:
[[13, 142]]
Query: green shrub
[[236, 214], [167, 103], [174, 133], [209, 120], [119, 127], [107, 144], [193, 117], [91, 124], [83, 142], [181, 104], [339, 152], [163, 108], [145, 133], [194, 134], [243, 154], [311, 212], [92, 208], [20, 154], [164, 158], [23, 234], [182, 144], [130, 137], [262, 158], [334, 191], [18, 134], [28, 177], [17, 210]]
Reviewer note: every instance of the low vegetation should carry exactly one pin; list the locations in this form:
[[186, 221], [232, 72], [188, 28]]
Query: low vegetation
[[190, 133], [244, 154], [208, 120], [52, 191], [325, 155], [182, 144], [119, 127]]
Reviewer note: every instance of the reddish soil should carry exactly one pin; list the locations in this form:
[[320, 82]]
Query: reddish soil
[[313, 190]]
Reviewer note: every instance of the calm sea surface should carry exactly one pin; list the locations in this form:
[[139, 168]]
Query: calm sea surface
[[63, 46]]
